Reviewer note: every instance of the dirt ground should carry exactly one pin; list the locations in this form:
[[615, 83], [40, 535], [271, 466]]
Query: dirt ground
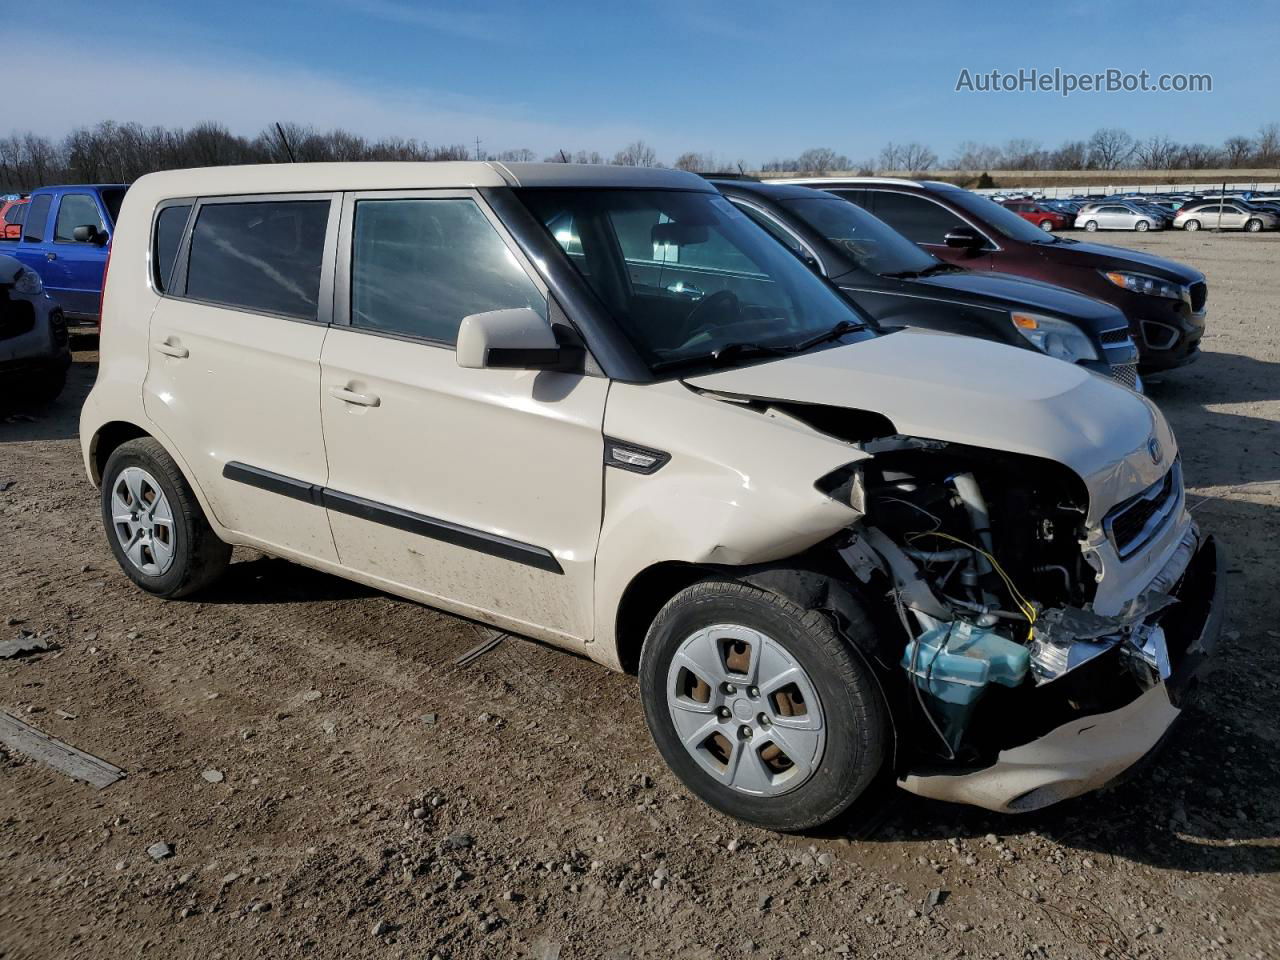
[[377, 800]]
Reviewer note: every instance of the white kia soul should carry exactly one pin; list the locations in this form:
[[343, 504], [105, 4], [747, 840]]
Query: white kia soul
[[601, 408]]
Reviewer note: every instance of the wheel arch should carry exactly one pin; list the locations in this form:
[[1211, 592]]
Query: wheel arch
[[804, 580], [106, 439]]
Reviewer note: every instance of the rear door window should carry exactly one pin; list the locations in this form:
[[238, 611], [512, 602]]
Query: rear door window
[[915, 217], [261, 255], [33, 227]]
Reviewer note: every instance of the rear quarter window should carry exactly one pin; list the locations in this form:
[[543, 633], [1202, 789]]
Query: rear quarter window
[[170, 223]]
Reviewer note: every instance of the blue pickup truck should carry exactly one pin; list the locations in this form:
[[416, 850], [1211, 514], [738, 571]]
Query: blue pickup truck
[[65, 237]]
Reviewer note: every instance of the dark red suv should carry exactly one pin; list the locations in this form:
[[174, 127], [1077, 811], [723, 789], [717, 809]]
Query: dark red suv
[[1164, 301]]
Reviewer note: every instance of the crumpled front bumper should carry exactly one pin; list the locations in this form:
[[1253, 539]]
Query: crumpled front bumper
[[1090, 751]]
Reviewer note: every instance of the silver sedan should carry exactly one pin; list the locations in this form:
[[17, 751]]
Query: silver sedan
[[1119, 216]]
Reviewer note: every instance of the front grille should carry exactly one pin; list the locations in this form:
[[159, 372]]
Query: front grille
[[1118, 335], [1199, 296], [1126, 373], [1134, 523], [16, 317]]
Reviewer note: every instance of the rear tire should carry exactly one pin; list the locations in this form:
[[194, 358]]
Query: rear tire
[[1192, 225], [1046, 226], [1091, 226], [790, 733], [155, 525]]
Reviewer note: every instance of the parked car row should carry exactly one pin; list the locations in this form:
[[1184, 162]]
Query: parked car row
[[836, 548], [1250, 211]]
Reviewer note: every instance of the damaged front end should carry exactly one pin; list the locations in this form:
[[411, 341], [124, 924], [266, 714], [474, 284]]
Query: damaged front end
[[1042, 651]]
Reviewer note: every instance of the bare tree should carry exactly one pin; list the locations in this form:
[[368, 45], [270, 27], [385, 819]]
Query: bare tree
[[1110, 148], [1070, 156], [1156, 153], [523, 155], [1199, 156], [975, 156], [636, 154], [1267, 146], [821, 160], [1237, 151]]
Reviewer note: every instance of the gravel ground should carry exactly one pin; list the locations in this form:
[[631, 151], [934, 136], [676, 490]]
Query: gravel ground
[[330, 784]]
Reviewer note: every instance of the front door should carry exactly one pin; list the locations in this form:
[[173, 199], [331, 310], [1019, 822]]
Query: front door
[[474, 490], [233, 373], [927, 222], [75, 271]]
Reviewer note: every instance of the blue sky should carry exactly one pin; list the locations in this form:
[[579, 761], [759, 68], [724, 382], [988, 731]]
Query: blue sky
[[762, 81]]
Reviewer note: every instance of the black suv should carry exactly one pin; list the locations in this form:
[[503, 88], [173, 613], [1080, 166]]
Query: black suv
[[900, 285]]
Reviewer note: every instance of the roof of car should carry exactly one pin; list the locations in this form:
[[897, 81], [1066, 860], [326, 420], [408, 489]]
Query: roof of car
[[826, 182], [776, 191], [326, 177]]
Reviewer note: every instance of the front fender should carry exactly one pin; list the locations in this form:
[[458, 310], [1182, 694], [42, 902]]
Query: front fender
[[738, 489]]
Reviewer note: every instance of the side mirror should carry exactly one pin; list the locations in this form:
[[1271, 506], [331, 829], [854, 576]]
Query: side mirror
[[964, 238], [515, 339], [88, 233]]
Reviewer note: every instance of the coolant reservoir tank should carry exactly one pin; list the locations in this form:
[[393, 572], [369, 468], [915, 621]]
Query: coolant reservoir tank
[[953, 663]]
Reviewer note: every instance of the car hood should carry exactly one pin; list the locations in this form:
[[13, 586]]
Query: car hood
[[983, 394], [1119, 258], [1018, 293]]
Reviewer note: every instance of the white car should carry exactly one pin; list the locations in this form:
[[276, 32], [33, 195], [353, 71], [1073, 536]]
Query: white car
[[1225, 215], [601, 408]]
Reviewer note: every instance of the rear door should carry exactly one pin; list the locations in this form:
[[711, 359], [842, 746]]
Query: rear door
[[233, 379], [76, 266], [927, 222], [33, 247]]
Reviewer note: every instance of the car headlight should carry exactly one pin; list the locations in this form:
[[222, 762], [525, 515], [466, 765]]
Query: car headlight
[[1057, 338], [1141, 283], [28, 281]]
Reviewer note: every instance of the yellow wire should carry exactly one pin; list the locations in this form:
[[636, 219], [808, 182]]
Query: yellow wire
[[1024, 605]]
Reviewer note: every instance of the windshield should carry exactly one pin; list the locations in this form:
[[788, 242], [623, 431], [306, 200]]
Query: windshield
[[1006, 221], [687, 274], [868, 241]]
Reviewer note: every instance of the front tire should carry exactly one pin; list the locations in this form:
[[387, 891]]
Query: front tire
[[761, 707], [1254, 225], [1142, 226], [1091, 226], [1046, 226], [154, 523]]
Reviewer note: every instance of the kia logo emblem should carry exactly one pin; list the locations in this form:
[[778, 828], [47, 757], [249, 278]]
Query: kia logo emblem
[[1153, 448]]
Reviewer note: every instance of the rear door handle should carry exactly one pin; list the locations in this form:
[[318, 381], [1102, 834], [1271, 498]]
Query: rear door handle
[[359, 399], [172, 350], [50, 255]]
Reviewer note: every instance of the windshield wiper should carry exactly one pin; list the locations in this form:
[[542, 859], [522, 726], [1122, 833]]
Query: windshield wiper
[[835, 333], [724, 355]]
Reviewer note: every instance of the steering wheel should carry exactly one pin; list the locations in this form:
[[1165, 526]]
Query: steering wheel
[[701, 315]]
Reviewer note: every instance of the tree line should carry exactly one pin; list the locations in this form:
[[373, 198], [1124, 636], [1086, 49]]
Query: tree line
[[121, 152]]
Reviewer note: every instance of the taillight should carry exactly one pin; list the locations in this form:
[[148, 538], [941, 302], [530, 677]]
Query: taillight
[[102, 294]]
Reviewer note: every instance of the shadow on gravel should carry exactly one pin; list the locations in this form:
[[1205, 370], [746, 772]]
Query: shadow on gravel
[[267, 580], [22, 421], [1247, 449]]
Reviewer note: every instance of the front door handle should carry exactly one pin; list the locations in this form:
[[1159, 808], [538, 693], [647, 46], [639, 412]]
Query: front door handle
[[50, 255], [359, 399], [172, 350]]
